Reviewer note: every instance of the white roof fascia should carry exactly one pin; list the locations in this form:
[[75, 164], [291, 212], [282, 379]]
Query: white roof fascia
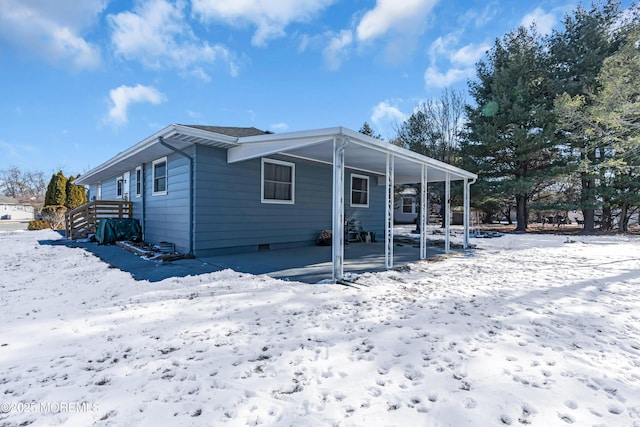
[[141, 146], [294, 140], [151, 140], [367, 141], [412, 156]]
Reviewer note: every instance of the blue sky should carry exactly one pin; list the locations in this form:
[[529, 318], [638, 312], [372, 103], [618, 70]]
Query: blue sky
[[84, 80]]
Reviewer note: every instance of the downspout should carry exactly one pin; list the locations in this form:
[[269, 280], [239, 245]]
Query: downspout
[[143, 187], [191, 192]]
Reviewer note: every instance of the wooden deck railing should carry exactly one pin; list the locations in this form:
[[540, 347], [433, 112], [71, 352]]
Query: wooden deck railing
[[83, 220]]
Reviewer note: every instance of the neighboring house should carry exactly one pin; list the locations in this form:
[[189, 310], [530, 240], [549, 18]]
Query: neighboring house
[[406, 208], [215, 190], [13, 209]]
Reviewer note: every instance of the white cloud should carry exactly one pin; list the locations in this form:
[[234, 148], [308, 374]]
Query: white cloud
[[443, 46], [434, 78], [480, 18], [469, 54], [543, 21], [386, 116], [157, 35], [52, 30], [270, 17], [407, 16], [461, 61], [122, 97], [337, 50]]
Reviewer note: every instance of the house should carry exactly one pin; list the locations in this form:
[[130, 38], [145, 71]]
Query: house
[[12, 209], [214, 190], [406, 207]]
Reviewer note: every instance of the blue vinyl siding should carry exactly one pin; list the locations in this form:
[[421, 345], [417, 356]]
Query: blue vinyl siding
[[109, 188], [231, 218], [372, 217], [228, 213], [167, 216]]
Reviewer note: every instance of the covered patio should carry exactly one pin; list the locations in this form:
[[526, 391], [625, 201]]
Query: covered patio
[[342, 148], [311, 264]]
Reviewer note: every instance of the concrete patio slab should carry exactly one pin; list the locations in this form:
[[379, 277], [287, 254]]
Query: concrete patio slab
[[305, 264]]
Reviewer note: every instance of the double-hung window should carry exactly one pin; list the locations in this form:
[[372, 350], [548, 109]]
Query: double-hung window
[[278, 181], [407, 205], [139, 181], [159, 172], [359, 191]]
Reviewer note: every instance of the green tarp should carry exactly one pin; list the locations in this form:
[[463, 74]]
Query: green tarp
[[111, 230]]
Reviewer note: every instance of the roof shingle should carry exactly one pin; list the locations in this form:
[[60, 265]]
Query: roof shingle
[[236, 132]]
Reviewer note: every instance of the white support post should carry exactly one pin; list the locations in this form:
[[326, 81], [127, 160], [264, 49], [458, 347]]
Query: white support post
[[424, 213], [388, 232], [466, 214], [447, 217], [337, 233]]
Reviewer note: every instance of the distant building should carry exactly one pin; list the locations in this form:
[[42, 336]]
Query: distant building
[[406, 208], [14, 210]]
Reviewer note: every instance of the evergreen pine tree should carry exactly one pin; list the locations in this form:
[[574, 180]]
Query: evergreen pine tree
[[367, 130], [577, 54], [76, 194], [56, 194], [610, 120], [510, 141]]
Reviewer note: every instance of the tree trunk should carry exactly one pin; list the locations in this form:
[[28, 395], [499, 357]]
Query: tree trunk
[[623, 223], [509, 221], [521, 212], [606, 222], [588, 202]]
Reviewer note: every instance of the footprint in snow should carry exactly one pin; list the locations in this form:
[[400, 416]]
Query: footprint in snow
[[470, 403], [566, 418], [505, 419], [571, 404], [615, 410], [374, 391]]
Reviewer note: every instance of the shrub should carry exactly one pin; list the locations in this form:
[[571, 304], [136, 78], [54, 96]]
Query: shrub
[[76, 194], [54, 215], [39, 224], [56, 190]]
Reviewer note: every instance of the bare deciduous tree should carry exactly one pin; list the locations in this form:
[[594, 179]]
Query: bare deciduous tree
[[26, 186]]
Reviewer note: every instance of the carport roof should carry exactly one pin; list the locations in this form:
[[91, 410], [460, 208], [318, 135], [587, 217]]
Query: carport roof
[[362, 152]]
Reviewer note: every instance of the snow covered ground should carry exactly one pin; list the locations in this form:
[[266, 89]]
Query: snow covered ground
[[526, 330]]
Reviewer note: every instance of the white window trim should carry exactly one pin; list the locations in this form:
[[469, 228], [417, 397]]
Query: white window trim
[[153, 177], [357, 205], [138, 175], [121, 180], [413, 205], [293, 182]]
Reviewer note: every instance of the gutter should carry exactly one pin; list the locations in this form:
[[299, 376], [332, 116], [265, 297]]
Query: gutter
[[192, 188]]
